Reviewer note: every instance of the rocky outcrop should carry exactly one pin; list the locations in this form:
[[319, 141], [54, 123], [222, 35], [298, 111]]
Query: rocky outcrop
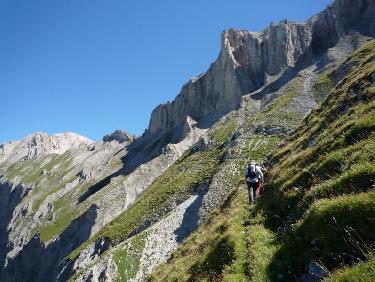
[[90, 175], [248, 60], [42, 262], [95, 182], [343, 17], [10, 195], [119, 136], [41, 143]]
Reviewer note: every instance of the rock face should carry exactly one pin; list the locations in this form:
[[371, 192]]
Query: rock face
[[119, 136], [55, 203], [247, 60], [39, 144], [343, 17], [10, 196]]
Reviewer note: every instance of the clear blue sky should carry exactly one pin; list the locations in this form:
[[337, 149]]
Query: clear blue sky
[[91, 66]]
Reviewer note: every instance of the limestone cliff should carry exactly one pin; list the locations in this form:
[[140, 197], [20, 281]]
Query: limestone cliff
[[248, 60], [113, 210]]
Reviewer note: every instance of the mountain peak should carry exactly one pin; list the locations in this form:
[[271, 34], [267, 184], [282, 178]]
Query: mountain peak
[[120, 136], [247, 60], [41, 143]]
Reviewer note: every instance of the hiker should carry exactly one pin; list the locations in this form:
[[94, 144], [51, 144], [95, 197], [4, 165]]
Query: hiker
[[254, 180]]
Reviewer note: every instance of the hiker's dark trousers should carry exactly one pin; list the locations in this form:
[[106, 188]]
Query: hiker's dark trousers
[[252, 188]]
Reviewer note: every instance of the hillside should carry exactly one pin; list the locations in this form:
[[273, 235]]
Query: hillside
[[316, 217], [171, 205]]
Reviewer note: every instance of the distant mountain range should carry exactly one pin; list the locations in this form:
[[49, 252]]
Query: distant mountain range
[[171, 205]]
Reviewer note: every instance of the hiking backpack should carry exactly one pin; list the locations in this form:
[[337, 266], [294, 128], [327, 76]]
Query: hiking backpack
[[251, 171]]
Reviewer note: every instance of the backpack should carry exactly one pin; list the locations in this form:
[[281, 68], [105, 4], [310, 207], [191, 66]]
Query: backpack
[[251, 171]]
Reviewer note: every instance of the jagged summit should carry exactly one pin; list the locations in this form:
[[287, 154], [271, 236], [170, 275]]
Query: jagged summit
[[247, 60]]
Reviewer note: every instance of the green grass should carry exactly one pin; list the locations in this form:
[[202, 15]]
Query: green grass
[[217, 250], [182, 178], [364, 272], [301, 216], [259, 147], [27, 170], [65, 214], [246, 252], [60, 172], [340, 228], [262, 246], [277, 111], [224, 130], [127, 258], [357, 178], [51, 230], [53, 189], [318, 193], [65, 210], [330, 218], [30, 171], [323, 85], [49, 174]]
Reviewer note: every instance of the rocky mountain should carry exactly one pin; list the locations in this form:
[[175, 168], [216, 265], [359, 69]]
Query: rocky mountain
[[39, 144], [315, 220], [171, 205], [249, 60], [120, 136]]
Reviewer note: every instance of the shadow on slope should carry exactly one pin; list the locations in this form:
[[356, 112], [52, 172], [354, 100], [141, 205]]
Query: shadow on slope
[[190, 219], [320, 198], [38, 262], [10, 197], [98, 186], [149, 147]]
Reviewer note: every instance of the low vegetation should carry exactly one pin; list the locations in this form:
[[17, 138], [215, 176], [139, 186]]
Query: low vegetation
[[217, 250], [184, 177], [127, 258], [363, 272], [318, 205], [323, 85], [319, 198]]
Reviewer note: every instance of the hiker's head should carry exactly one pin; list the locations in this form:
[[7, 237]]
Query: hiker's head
[[252, 162]]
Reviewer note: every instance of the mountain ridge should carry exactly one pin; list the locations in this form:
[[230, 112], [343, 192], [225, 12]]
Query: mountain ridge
[[101, 210], [294, 43], [40, 143]]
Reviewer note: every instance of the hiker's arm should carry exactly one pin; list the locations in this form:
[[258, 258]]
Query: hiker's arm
[[260, 173]]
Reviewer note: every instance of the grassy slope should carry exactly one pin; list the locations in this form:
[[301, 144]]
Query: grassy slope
[[127, 258], [363, 272], [190, 171], [215, 251], [67, 207], [223, 248], [181, 179], [317, 203], [319, 190], [219, 248], [48, 175]]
